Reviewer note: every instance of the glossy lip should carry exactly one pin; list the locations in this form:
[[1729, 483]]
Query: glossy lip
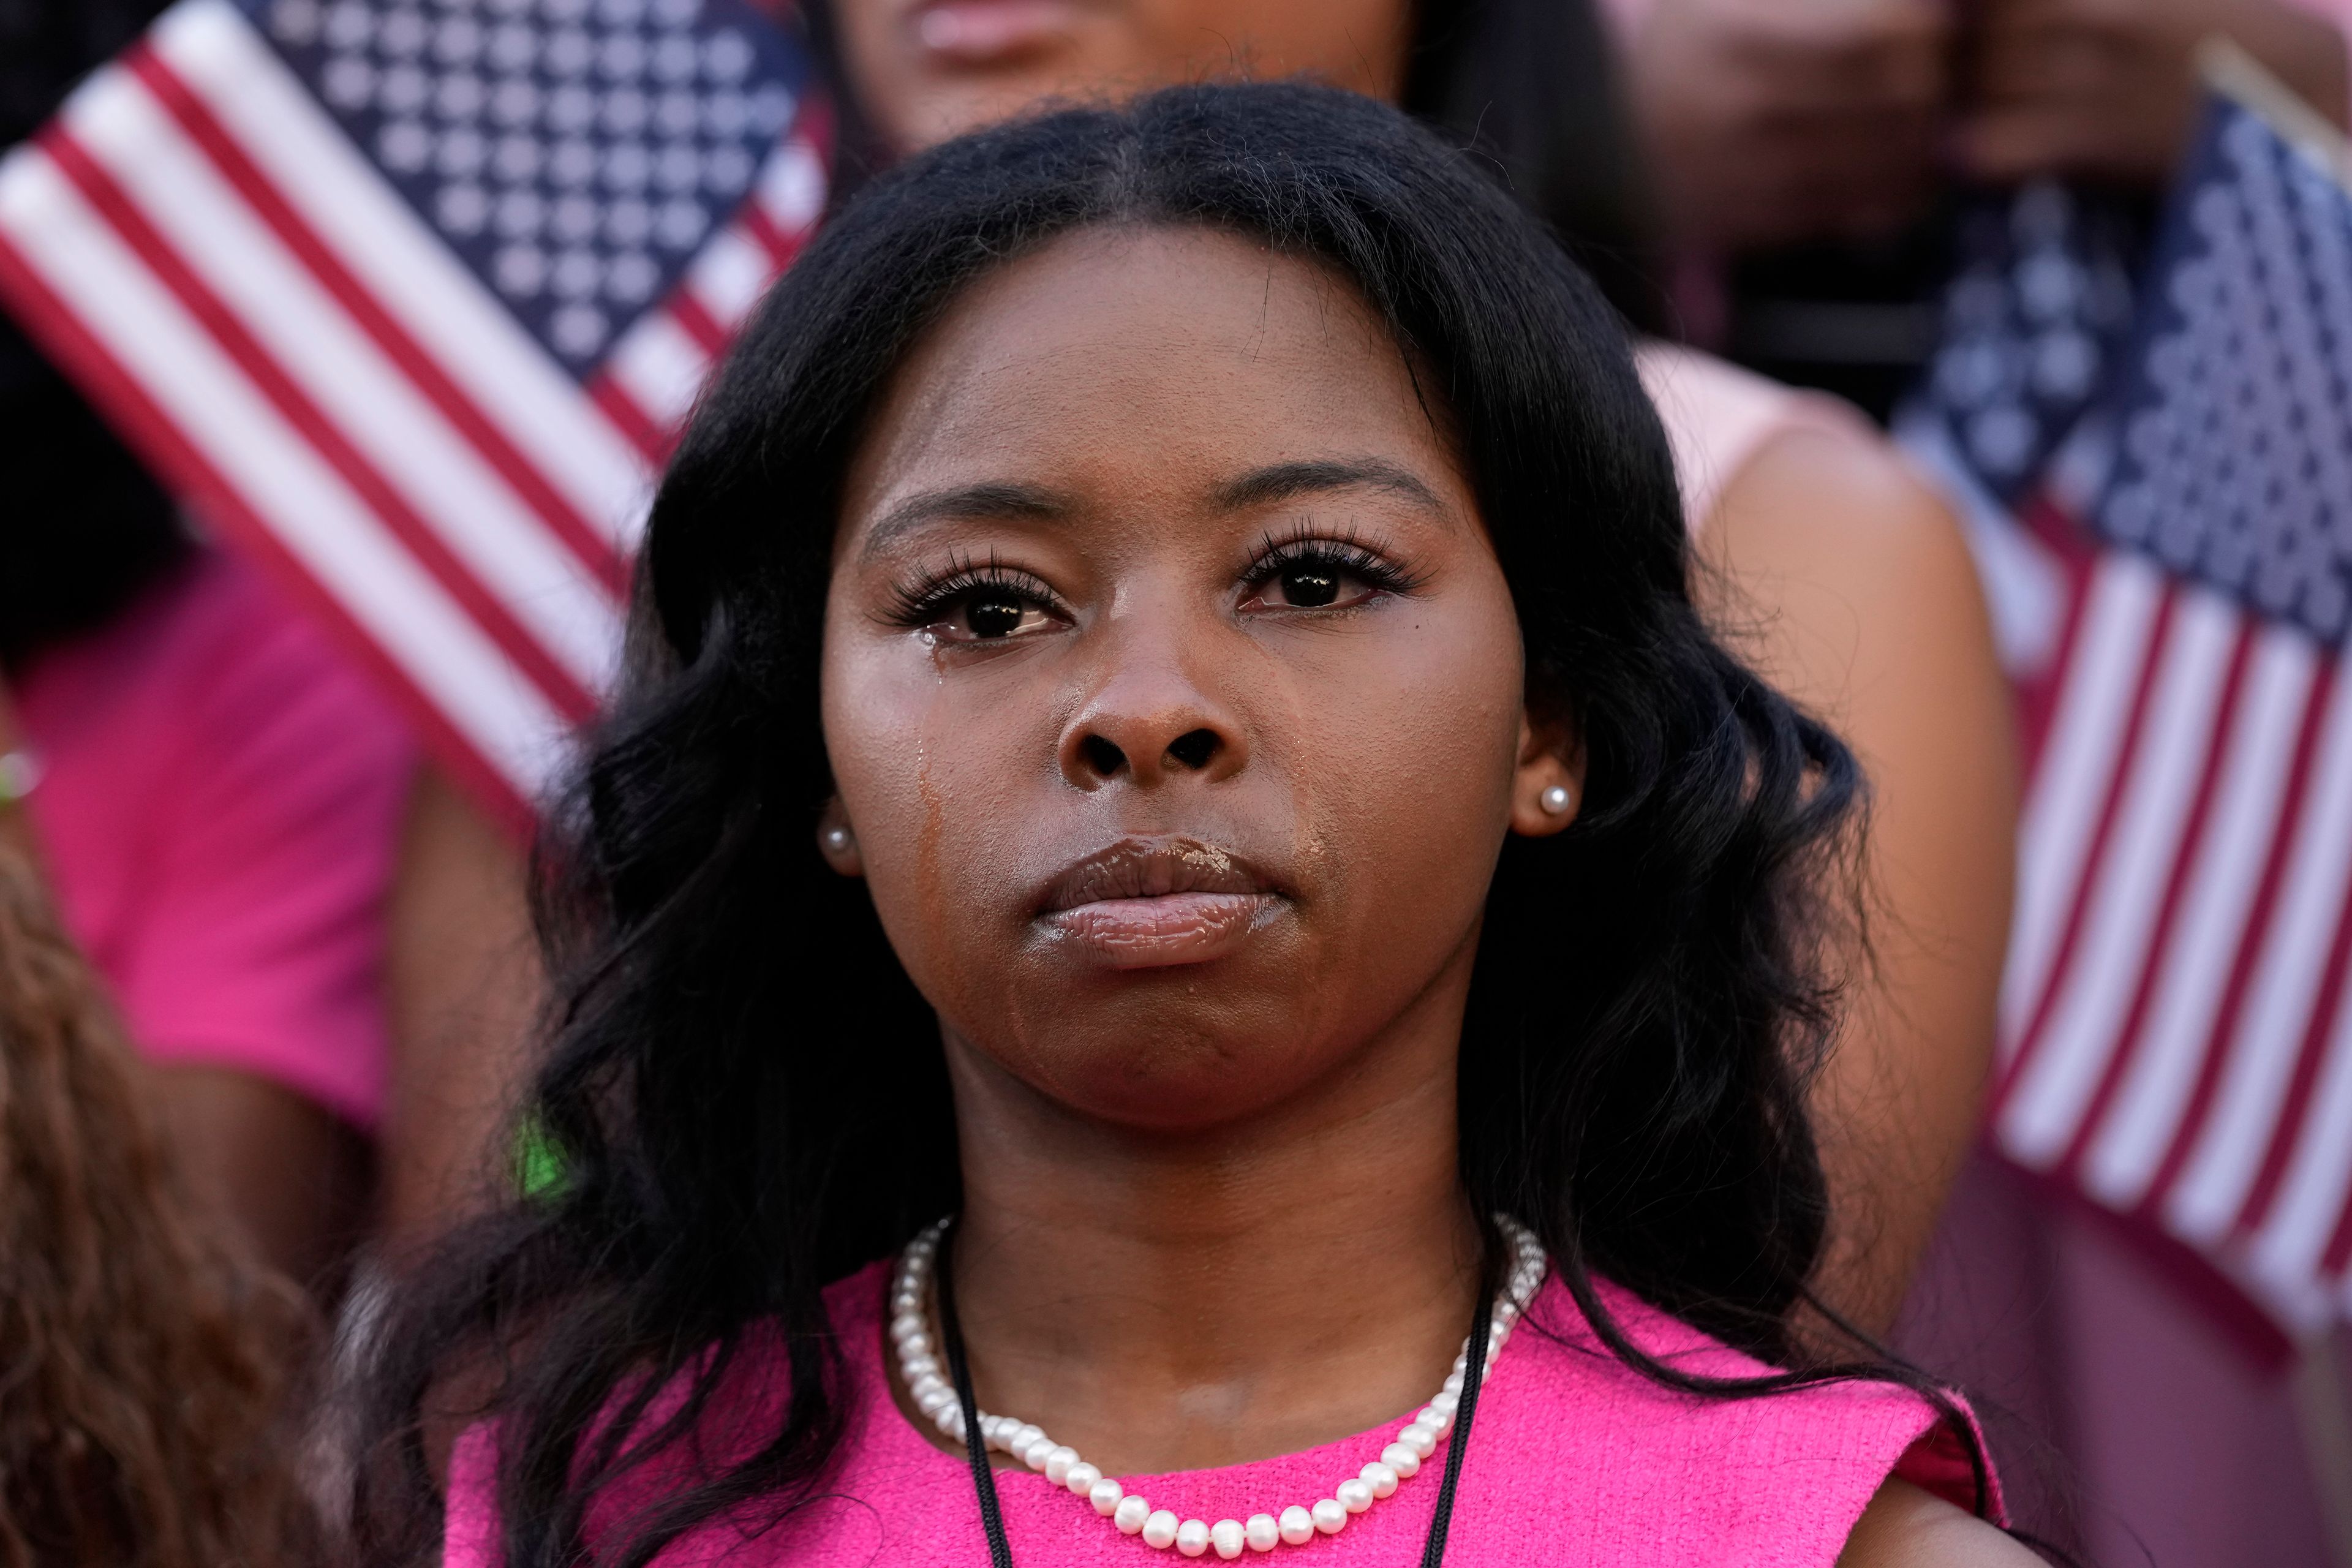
[[1151, 902], [981, 32]]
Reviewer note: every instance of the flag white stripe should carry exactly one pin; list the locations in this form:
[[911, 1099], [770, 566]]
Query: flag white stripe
[[2125, 892], [2280, 1001], [2086, 732], [2193, 972], [729, 275], [658, 367], [539, 579], [791, 185], [372, 231], [278, 471], [2288, 1247]]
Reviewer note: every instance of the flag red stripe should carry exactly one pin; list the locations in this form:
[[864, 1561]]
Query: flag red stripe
[[813, 128], [569, 697], [2110, 809], [165, 448], [2251, 941], [768, 235], [270, 205], [633, 421], [700, 325], [2332, 1262], [2168, 912]]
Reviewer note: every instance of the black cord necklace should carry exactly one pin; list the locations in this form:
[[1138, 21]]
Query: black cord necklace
[[983, 1475]]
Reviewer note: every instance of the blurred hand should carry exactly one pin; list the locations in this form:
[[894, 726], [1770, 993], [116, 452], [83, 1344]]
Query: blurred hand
[[2110, 87], [1774, 121]]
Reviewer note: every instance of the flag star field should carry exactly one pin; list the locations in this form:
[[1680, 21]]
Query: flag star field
[[575, 153]]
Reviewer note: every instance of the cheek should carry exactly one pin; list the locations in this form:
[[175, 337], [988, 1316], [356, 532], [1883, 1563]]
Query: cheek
[[1417, 763], [932, 790]]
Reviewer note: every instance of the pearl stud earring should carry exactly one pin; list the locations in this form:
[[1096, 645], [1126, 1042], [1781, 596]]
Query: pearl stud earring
[[837, 838], [1556, 800]]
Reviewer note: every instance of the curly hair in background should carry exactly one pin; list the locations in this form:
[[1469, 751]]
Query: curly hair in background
[[144, 1370]]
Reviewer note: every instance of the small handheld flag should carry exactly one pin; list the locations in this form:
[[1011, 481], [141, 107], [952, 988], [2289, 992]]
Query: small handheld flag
[[2177, 1010], [407, 297]]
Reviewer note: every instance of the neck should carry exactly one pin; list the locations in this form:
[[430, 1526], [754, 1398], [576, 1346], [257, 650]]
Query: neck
[[1168, 1302]]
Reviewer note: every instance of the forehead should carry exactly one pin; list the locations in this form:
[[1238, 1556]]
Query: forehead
[[1146, 357]]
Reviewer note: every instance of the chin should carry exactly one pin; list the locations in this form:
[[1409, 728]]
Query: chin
[[1152, 1068], [958, 100]]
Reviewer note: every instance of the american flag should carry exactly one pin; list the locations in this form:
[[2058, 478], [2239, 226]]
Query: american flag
[[407, 297], [2173, 592]]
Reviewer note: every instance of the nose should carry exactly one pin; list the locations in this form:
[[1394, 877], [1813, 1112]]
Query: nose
[[1152, 718]]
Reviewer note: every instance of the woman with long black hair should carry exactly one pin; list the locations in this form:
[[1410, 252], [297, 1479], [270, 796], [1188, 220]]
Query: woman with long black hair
[[1173, 859], [1840, 574], [1836, 570]]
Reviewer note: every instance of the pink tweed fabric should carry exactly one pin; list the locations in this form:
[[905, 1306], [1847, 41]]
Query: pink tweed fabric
[[1572, 1459]]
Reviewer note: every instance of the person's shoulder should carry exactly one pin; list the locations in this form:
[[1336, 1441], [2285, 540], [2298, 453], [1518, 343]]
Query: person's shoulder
[[1834, 478], [1904, 1526], [1719, 419], [1704, 384], [1831, 536]]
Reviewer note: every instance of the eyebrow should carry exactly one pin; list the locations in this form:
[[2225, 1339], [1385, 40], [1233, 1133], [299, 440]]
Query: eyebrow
[[992, 502], [1008, 501], [1288, 481]]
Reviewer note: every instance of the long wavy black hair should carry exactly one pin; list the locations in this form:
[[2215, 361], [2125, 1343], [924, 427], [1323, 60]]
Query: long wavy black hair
[[749, 1097]]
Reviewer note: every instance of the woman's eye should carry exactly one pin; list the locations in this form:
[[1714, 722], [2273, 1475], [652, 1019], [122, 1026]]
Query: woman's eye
[[992, 615], [1308, 587], [1315, 582]]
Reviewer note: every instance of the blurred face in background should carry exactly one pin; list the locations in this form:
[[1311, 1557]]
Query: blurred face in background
[[927, 70]]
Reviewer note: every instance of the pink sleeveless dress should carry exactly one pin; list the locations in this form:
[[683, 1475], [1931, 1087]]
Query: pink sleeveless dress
[[1572, 1459]]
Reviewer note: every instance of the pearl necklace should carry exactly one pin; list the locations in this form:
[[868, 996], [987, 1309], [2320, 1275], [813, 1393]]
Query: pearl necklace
[[935, 1396]]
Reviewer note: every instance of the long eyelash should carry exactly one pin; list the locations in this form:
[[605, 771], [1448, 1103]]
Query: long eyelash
[[1343, 552], [923, 600]]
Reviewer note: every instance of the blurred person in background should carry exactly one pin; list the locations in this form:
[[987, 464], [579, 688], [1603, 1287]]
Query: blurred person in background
[[1804, 151], [218, 792], [213, 799], [145, 1422]]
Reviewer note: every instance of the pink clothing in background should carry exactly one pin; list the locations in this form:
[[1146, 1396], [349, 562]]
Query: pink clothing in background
[[1718, 417], [1572, 1458], [2133, 1422], [218, 814]]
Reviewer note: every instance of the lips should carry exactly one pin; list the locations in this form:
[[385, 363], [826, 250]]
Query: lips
[[983, 32], [1151, 902]]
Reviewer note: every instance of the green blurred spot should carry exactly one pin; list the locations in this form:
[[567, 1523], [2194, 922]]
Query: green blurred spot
[[540, 1169]]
